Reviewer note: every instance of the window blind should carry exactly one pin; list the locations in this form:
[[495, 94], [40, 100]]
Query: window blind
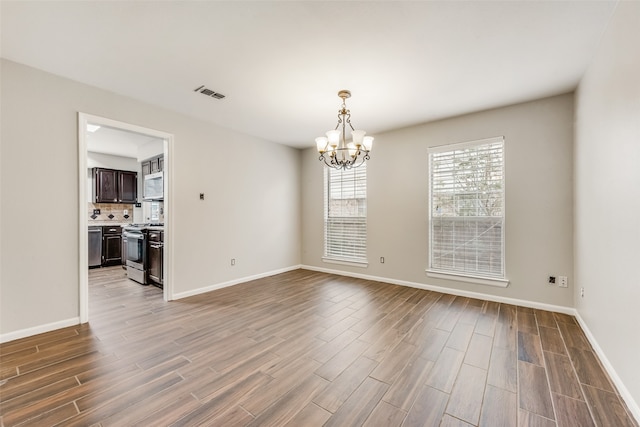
[[466, 214], [345, 216]]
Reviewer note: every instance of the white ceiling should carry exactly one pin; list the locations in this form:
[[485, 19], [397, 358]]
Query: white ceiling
[[124, 143], [281, 64]]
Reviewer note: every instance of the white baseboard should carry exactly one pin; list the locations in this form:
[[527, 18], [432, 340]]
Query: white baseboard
[[624, 393], [40, 329], [468, 294], [622, 389], [213, 287]]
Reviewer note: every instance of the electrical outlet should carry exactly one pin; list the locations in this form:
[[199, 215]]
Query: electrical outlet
[[233, 261], [582, 292], [381, 260], [563, 282], [552, 280], [96, 211]]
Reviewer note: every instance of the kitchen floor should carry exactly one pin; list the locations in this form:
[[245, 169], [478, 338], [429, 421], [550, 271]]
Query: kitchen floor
[[306, 349]]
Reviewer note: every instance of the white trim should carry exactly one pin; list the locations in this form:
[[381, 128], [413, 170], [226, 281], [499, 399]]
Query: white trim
[[40, 329], [622, 389], [500, 283], [83, 222], [83, 273], [624, 392], [632, 405], [233, 282], [458, 292], [362, 264], [168, 246], [463, 145], [460, 146]]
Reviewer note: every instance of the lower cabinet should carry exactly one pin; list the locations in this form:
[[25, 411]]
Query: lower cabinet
[[111, 245], [155, 256]]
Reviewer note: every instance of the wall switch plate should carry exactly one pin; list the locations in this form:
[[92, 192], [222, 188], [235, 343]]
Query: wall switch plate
[[96, 211], [563, 282]]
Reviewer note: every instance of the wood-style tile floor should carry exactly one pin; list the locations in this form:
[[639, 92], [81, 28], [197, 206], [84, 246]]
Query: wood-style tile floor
[[306, 349]]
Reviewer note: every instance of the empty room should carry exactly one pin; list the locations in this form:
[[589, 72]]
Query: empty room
[[319, 213]]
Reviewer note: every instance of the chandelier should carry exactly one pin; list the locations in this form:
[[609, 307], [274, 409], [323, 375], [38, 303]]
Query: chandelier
[[334, 149]]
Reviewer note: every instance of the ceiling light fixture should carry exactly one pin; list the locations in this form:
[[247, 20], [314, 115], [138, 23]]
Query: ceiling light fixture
[[334, 149]]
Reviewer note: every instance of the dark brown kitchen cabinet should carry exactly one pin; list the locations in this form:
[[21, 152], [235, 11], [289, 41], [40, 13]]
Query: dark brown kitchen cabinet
[[155, 256], [114, 186], [146, 169], [111, 245], [153, 165], [105, 185], [128, 186]]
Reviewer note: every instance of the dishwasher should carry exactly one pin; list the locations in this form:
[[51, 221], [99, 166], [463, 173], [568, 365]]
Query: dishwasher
[[95, 246]]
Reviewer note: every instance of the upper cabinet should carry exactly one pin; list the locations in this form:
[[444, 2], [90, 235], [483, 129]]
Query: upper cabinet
[[128, 186], [153, 165], [114, 186]]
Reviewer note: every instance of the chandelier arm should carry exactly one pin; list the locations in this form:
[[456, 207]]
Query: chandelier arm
[[348, 120], [329, 163]]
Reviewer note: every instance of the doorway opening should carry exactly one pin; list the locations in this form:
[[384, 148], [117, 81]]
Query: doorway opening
[[123, 148]]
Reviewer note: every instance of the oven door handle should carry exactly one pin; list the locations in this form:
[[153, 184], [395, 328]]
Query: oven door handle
[[134, 236]]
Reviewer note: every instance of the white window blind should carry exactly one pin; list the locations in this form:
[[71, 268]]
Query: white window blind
[[467, 209], [345, 218]]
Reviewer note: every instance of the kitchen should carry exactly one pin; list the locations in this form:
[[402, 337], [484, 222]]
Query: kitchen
[[125, 209]]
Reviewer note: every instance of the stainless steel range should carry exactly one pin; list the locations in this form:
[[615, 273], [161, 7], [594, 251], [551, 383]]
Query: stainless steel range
[[137, 260], [136, 236]]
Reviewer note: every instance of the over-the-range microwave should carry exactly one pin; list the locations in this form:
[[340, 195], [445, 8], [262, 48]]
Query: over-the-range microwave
[[153, 186]]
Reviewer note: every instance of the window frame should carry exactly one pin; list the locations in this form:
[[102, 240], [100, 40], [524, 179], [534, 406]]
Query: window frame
[[334, 258], [458, 274]]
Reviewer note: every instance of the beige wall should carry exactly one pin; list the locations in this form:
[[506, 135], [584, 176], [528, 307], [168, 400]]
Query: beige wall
[[250, 211], [539, 170], [607, 193]]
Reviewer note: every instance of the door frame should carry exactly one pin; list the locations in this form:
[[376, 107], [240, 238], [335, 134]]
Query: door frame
[[83, 223]]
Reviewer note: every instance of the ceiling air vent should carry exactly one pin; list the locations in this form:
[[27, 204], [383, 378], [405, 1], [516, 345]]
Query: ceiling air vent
[[205, 91]]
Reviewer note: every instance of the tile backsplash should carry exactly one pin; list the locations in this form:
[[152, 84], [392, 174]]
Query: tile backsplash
[[110, 212]]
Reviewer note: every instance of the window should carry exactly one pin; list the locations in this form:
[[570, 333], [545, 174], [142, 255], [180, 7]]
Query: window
[[345, 215], [466, 212]]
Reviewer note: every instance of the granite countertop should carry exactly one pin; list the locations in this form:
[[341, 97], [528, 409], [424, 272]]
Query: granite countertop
[[119, 224], [108, 224]]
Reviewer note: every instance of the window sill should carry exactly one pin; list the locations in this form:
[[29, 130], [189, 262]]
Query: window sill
[[362, 264], [500, 283]]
